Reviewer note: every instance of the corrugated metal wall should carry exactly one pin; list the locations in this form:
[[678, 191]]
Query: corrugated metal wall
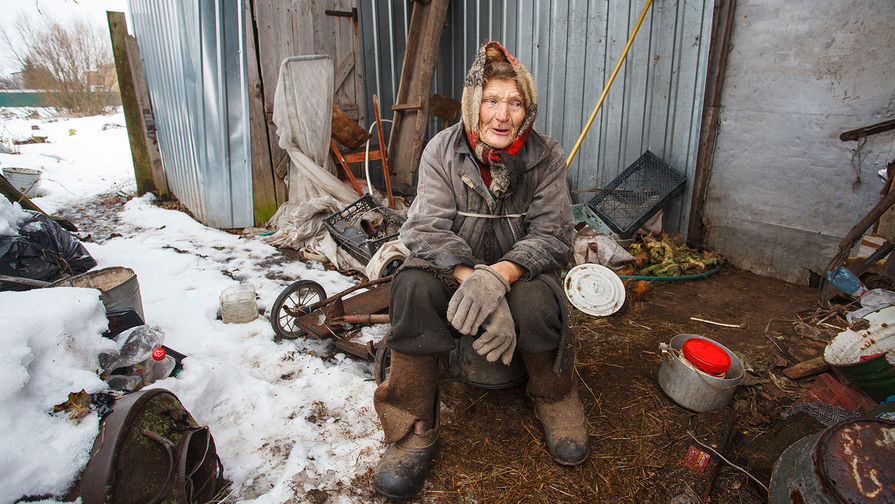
[[571, 48], [193, 55]]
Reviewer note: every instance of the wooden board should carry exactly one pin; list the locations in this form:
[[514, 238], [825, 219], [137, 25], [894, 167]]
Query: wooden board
[[271, 44], [265, 200], [150, 138], [807, 368], [346, 131], [132, 114]]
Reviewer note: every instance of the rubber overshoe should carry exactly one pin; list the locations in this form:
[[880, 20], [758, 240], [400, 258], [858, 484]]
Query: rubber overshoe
[[402, 470], [565, 429]]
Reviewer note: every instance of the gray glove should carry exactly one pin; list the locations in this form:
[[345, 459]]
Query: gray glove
[[499, 339], [476, 298]]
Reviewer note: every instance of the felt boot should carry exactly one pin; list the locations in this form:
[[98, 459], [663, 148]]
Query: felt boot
[[407, 404], [559, 409], [402, 470]]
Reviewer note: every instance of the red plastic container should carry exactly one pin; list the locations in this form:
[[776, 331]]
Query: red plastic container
[[706, 356]]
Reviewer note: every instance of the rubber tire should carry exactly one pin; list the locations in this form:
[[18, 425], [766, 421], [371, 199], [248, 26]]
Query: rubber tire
[[283, 324]]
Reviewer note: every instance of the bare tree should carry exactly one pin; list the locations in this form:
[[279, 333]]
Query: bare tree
[[73, 62]]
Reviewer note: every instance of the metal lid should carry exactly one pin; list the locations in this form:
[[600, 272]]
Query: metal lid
[[707, 355], [594, 289], [856, 460]]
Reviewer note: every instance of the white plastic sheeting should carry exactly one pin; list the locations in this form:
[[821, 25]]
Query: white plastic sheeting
[[302, 112]]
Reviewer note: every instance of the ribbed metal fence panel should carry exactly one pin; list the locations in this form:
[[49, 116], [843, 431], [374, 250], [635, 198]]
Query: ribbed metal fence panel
[[571, 47], [193, 56]]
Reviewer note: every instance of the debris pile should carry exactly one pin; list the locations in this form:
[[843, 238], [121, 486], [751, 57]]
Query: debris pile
[[669, 256]]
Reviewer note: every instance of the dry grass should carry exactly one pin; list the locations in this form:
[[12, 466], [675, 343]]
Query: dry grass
[[492, 447]]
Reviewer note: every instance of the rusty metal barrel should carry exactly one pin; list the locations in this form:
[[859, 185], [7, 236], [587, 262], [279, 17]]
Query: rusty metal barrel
[[118, 287], [466, 365], [849, 462]]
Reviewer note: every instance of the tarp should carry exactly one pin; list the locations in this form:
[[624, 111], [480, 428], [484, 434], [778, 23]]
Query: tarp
[[40, 250], [302, 112]]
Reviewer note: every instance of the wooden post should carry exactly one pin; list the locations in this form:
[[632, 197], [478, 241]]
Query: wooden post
[[147, 122], [272, 22], [132, 114], [722, 27], [405, 145], [14, 196], [264, 190]]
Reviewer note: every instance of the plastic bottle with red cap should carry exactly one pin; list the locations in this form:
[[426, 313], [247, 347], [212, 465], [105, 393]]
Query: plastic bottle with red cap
[[847, 282], [157, 367], [135, 346]]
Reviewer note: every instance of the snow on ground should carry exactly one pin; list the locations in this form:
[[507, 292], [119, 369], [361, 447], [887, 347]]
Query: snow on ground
[[285, 420], [87, 156]]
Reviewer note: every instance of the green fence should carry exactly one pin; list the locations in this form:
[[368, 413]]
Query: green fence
[[19, 98]]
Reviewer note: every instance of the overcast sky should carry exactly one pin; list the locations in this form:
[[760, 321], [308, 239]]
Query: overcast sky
[[58, 10]]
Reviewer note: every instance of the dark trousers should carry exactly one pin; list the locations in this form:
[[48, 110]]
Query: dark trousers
[[419, 303]]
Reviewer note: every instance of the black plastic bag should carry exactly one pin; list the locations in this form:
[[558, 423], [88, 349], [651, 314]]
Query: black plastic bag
[[41, 251]]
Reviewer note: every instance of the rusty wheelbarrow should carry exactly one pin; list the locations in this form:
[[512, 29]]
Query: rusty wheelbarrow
[[303, 309]]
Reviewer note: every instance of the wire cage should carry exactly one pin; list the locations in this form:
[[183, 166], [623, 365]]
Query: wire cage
[[363, 226], [637, 194]]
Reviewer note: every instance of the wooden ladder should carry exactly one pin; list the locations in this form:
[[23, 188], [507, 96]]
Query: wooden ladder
[[411, 109]]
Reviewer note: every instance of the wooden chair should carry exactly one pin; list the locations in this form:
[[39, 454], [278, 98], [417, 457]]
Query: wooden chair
[[351, 139], [445, 108]]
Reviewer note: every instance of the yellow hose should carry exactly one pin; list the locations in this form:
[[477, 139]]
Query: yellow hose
[[618, 65]]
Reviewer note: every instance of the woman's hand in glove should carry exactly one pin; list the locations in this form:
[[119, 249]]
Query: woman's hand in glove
[[476, 298], [499, 339]]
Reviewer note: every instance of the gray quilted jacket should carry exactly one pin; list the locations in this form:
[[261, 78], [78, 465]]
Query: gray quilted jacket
[[535, 227]]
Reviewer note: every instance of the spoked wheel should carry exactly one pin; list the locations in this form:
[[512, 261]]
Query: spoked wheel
[[382, 361], [292, 303]]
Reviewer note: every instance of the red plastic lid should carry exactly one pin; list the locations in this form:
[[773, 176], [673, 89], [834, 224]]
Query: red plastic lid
[[706, 355], [158, 354]]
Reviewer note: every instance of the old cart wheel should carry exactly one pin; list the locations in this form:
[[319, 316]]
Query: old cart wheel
[[382, 361], [292, 303]]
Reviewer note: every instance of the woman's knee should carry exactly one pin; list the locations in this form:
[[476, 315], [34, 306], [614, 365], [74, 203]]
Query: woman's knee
[[537, 316], [417, 309]]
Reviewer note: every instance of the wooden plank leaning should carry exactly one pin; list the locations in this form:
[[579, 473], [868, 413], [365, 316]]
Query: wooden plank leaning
[[409, 128]]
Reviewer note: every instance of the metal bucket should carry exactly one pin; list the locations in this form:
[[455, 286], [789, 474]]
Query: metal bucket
[[874, 376], [26, 180], [860, 356], [118, 287], [693, 389], [466, 365], [848, 462]]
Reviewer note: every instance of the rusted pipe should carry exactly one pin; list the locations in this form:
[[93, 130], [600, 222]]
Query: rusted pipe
[[359, 318], [341, 294]]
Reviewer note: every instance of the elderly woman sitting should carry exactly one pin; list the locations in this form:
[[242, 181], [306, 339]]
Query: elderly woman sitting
[[489, 232]]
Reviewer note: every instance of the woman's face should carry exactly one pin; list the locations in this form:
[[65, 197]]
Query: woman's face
[[501, 113]]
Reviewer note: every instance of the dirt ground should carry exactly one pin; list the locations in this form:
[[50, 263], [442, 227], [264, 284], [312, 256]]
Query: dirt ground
[[491, 445], [492, 449]]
